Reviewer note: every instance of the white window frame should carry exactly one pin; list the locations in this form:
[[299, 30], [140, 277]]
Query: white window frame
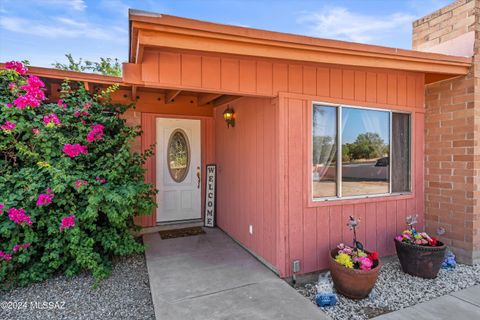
[[339, 153]]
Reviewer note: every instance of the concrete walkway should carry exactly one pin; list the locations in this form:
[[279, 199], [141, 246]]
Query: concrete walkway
[[461, 305], [211, 277]]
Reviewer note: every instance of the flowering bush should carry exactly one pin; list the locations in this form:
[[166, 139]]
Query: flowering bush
[[68, 187], [355, 257], [412, 236]]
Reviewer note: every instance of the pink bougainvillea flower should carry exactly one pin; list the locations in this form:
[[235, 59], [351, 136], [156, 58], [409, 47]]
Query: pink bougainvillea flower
[[45, 198], [9, 105], [18, 216], [73, 150], [17, 66], [96, 133], [79, 113], [101, 180], [8, 126], [80, 183], [35, 82], [35, 131], [62, 104], [33, 93], [51, 120], [1, 208], [18, 247], [12, 86], [67, 222], [5, 256]]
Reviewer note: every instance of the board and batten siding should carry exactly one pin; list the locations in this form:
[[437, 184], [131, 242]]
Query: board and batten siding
[[246, 158], [308, 230], [267, 77], [263, 162]]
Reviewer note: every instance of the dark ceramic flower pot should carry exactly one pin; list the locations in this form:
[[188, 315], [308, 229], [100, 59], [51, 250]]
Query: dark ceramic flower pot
[[420, 261], [352, 283]]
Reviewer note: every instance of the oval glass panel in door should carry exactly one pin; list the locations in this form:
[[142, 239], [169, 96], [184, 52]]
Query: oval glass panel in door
[[178, 155]]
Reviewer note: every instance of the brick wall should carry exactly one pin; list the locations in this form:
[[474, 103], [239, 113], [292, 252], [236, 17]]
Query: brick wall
[[449, 23], [452, 124]]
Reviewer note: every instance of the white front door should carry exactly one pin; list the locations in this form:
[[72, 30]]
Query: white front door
[[178, 169]]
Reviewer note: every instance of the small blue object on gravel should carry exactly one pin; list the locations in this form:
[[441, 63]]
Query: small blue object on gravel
[[326, 299], [449, 262]]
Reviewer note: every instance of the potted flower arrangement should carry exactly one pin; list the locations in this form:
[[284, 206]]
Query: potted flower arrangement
[[354, 270], [419, 254]]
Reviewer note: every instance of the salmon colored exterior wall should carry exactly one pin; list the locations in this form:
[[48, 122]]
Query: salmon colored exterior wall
[[247, 158], [263, 163]]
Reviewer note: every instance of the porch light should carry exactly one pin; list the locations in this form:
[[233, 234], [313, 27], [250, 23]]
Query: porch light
[[229, 116]]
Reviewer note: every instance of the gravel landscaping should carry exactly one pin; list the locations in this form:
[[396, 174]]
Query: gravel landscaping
[[396, 290], [125, 295]]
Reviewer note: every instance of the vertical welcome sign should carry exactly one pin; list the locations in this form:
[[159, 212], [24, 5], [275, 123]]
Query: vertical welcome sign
[[210, 188]]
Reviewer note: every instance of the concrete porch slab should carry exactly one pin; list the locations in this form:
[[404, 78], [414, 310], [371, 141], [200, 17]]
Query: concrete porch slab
[[211, 277]]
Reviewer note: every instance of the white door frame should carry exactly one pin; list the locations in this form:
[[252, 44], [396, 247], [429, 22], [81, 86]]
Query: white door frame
[[178, 201]]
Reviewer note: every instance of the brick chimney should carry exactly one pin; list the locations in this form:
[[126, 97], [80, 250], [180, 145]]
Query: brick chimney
[[452, 130]]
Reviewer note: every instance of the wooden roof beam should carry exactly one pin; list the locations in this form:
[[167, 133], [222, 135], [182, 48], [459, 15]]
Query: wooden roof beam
[[223, 100], [207, 98], [171, 95]]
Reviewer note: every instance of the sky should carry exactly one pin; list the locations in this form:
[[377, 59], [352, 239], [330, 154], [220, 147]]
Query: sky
[[42, 31]]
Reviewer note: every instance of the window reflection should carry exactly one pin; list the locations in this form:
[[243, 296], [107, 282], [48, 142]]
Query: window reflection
[[324, 171], [365, 151]]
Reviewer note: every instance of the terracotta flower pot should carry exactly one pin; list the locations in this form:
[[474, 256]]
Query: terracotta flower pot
[[353, 283], [420, 261]]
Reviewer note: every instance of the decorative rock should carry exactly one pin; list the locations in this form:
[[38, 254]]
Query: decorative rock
[[124, 295], [395, 290], [326, 299]]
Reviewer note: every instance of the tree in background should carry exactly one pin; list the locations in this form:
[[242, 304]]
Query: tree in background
[[368, 145], [106, 66]]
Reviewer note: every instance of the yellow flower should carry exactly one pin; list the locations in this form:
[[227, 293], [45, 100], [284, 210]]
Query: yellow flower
[[42, 164], [360, 253], [407, 232], [345, 260]]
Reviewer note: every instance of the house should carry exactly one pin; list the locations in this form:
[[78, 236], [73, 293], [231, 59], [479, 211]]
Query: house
[[323, 129]]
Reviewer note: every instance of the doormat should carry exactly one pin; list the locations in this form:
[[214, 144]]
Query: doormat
[[178, 233]]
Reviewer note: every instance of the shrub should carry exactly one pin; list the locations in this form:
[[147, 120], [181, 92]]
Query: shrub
[[69, 185]]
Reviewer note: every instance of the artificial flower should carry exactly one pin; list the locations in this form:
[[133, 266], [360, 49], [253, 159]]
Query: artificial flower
[[373, 256], [364, 262], [345, 260]]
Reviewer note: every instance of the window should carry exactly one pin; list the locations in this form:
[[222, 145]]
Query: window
[[359, 152], [178, 155]]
